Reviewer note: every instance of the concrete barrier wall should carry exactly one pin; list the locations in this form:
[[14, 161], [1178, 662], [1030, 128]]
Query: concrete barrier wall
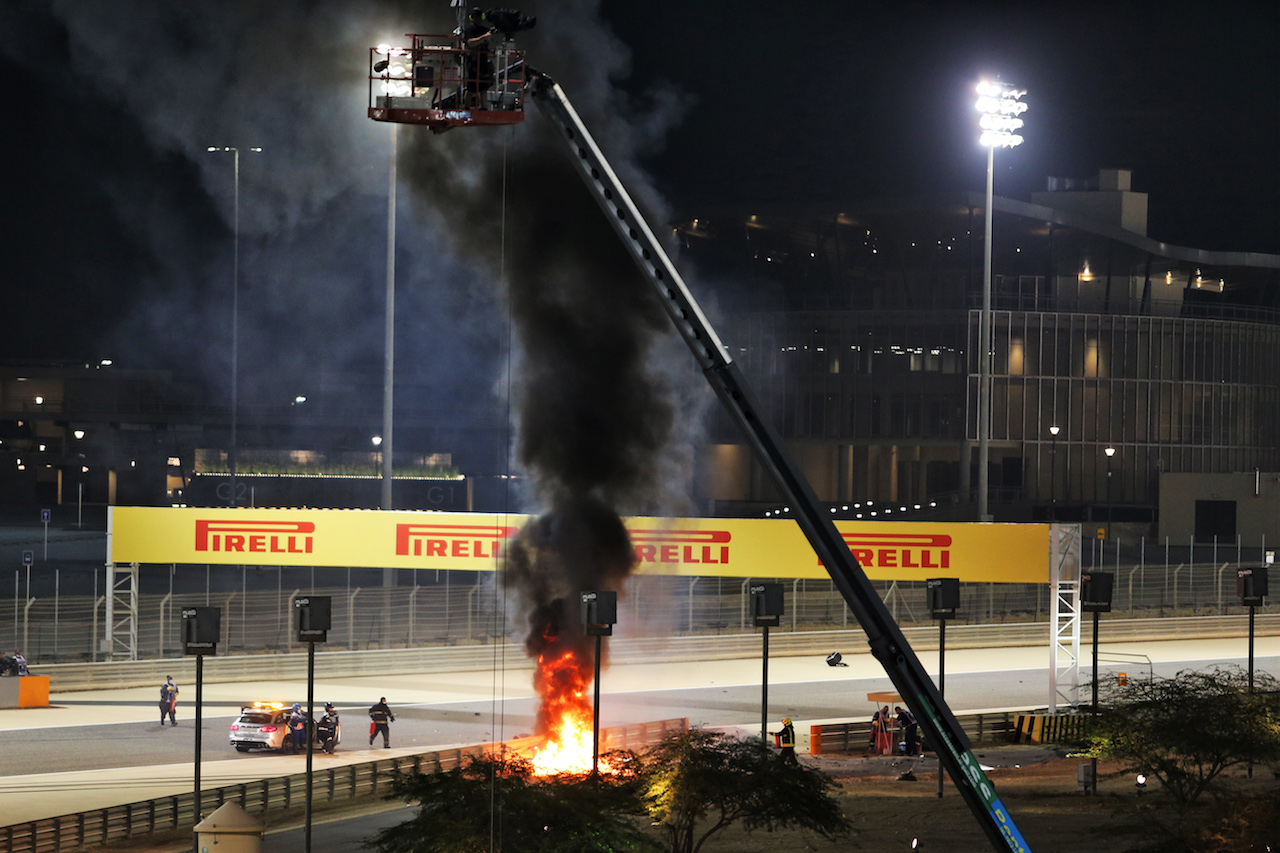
[[345, 664], [25, 691]]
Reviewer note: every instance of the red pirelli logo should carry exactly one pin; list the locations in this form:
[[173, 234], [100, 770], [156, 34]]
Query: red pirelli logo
[[450, 540], [698, 547], [255, 537], [900, 550]]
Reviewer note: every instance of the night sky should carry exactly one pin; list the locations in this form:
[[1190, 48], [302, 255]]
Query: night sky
[[118, 235]]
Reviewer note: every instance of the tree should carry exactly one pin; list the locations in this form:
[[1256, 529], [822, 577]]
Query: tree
[[498, 798], [698, 782], [1187, 729]]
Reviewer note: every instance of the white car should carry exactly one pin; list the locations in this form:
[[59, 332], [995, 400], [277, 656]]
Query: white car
[[265, 725], [262, 725]]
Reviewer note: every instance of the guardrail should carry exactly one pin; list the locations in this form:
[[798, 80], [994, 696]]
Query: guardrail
[[366, 779], [989, 726], [381, 662]]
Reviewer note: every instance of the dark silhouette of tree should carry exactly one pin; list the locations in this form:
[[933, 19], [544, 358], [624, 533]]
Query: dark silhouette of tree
[[698, 782], [1186, 730], [495, 803]]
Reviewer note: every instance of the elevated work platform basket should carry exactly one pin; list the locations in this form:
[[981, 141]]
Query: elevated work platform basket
[[438, 82]]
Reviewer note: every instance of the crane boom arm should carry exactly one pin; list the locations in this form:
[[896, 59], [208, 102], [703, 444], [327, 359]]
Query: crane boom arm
[[885, 638]]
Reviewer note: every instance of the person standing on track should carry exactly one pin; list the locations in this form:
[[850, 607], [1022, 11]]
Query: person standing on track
[[298, 728], [381, 715], [327, 729], [168, 700]]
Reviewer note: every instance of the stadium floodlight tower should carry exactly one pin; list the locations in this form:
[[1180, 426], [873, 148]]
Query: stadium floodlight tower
[[1000, 105]]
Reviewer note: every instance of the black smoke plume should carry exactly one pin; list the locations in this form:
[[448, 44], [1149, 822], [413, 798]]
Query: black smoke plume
[[595, 411]]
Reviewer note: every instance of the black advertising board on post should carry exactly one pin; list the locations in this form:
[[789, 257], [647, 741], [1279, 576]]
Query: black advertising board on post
[[599, 612], [201, 628], [1251, 586], [943, 597], [315, 617], [1095, 591], [766, 604]]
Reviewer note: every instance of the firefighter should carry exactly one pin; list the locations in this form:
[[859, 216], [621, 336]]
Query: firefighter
[[787, 741], [380, 714], [327, 729]]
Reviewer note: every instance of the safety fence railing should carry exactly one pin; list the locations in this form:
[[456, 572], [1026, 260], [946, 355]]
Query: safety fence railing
[[621, 650], [462, 608], [266, 796]]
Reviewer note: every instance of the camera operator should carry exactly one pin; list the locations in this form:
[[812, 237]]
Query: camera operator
[[476, 35]]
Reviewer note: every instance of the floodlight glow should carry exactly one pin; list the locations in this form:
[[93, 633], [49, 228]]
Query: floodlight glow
[[993, 139], [1000, 106], [1000, 123]]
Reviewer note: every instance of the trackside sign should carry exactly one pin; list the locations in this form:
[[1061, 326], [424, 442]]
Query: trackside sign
[[718, 547]]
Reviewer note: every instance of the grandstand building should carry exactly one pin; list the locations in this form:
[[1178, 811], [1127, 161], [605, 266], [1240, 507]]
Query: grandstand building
[[859, 332]]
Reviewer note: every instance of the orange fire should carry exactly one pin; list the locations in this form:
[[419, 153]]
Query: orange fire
[[565, 715]]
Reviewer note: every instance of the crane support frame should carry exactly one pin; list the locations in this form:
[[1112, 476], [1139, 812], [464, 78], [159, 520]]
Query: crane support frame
[[886, 640]]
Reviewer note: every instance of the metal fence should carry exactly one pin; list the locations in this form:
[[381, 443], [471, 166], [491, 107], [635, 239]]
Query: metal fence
[[263, 796], [443, 608]]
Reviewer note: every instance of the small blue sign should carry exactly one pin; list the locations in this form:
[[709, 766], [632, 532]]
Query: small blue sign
[[28, 558], [45, 516]]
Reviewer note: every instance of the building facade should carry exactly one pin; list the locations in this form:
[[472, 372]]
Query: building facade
[[860, 334]]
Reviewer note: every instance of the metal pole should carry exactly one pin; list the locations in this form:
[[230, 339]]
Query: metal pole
[[764, 690], [942, 683], [26, 613], [196, 817], [235, 323], [389, 365], [984, 351], [1251, 610], [1094, 761], [311, 692], [595, 717]]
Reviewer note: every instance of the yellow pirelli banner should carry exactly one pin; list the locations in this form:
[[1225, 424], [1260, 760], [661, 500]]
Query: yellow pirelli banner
[[724, 547]]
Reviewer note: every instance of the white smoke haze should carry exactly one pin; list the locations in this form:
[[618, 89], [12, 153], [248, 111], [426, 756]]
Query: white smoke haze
[[498, 230]]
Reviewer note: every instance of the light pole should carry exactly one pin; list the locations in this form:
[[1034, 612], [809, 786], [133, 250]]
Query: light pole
[[235, 311], [1110, 451], [1053, 475], [389, 336], [1000, 106]]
